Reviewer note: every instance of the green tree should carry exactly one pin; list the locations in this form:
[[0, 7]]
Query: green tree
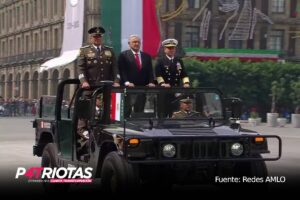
[[277, 91], [295, 94]]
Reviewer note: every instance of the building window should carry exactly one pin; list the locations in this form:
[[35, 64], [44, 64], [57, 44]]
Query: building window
[[27, 44], [3, 20], [35, 10], [10, 18], [55, 7], [11, 47], [192, 36], [46, 43], [276, 40], [18, 15], [56, 39], [27, 13], [3, 49], [36, 42], [19, 46], [194, 3], [45, 8], [278, 6]]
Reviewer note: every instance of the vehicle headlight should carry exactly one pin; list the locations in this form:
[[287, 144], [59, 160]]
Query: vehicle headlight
[[237, 149], [169, 150]]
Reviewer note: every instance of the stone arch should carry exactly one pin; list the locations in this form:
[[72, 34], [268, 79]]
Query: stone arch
[[9, 86], [17, 89], [66, 75], [2, 86], [44, 83], [54, 81], [34, 87], [26, 85]]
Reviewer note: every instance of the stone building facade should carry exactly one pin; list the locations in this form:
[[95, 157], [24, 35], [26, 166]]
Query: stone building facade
[[278, 36], [31, 33]]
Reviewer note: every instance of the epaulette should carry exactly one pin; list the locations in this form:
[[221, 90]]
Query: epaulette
[[108, 47], [86, 46]]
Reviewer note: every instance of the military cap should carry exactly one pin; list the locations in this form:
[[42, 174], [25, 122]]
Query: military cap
[[169, 43], [98, 30], [186, 99]]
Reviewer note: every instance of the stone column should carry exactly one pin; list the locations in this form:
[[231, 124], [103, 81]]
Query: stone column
[[21, 86], [5, 89], [13, 92]]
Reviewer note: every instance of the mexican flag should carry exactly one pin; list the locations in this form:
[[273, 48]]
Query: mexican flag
[[122, 18], [117, 106]]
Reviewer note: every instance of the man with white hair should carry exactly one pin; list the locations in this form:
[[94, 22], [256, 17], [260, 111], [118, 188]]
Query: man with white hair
[[135, 69], [135, 66]]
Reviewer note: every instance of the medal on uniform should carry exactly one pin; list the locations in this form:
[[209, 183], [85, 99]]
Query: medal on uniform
[[89, 62], [91, 54], [95, 61], [107, 53]]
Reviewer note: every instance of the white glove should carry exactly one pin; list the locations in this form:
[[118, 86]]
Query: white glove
[[86, 135]]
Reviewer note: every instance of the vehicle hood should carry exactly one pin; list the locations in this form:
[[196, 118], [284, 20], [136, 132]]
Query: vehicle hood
[[183, 132]]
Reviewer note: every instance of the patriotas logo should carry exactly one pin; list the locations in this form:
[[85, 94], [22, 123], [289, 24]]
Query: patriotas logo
[[54, 173], [33, 172]]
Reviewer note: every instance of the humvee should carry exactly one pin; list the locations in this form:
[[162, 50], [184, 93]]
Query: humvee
[[135, 142]]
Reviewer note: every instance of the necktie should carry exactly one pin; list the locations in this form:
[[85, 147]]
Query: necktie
[[138, 62], [98, 49]]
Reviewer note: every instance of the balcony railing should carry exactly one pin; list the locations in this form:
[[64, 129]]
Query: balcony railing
[[30, 57]]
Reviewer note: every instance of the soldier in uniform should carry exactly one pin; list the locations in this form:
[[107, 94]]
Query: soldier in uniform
[[169, 69], [170, 72], [97, 62], [186, 110]]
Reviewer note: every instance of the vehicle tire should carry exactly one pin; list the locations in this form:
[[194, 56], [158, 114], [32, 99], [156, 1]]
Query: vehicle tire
[[117, 175], [49, 160]]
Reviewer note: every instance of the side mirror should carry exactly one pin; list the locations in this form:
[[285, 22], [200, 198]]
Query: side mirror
[[233, 107], [84, 109]]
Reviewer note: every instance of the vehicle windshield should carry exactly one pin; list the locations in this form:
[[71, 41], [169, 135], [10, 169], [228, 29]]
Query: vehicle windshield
[[166, 104]]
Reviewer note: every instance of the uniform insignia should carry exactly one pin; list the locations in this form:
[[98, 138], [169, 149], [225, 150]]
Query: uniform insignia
[[166, 66], [178, 66], [91, 54], [89, 62], [95, 61], [81, 53], [107, 53]]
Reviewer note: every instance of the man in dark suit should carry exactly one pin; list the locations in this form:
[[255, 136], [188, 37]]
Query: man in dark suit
[[135, 69]]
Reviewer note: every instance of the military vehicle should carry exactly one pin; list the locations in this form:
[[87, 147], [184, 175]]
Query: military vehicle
[[134, 141]]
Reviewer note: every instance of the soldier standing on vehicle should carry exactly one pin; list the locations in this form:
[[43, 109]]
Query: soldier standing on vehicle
[[97, 62], [169, 68], [170, 72]]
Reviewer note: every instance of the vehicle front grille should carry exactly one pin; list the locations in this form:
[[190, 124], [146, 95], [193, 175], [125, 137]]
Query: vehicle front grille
[[209, 149]]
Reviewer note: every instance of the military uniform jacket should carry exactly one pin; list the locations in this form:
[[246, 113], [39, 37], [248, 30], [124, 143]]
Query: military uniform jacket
[[94, 66], [172, 72]]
